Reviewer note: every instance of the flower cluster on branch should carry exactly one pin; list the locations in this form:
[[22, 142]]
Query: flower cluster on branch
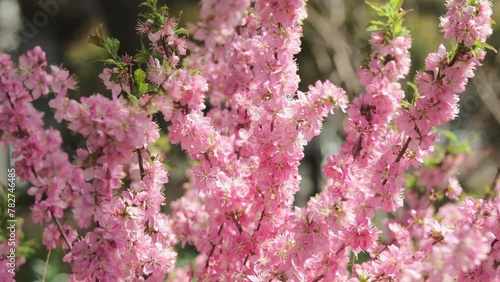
[[230, 99]]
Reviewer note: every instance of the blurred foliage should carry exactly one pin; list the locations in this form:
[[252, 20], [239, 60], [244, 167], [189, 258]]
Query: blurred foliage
[[25, 247]]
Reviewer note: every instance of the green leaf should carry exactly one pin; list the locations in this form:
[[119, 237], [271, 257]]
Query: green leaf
[[98, 38], [475, 52], [377, 23], [152, 88], [374, 28], [132, 98], [181, 31], [489, 47], [411, 181], [394, 14], [362, 278], [376, 7], [114, 76], [397, 28], [397, 4], [143, 88], [112, 45], [110, 62], [403, 13], [26, 248], [196, 71], [450, 135], [405, 104], [458, 148], [94, 39], [413, 86], [416, 95], [141, 57], [139, 76], [150, 4]]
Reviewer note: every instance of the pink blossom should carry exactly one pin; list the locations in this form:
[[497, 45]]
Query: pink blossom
[[245, 149], [121, 83]]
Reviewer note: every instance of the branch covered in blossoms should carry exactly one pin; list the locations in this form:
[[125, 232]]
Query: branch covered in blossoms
[[231, 101]]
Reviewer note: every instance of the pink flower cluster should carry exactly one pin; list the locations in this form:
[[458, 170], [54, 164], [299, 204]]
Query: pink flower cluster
[[467, 21], [129, 235], [246, 147], [42, 162], [254, 232], [441, 177]]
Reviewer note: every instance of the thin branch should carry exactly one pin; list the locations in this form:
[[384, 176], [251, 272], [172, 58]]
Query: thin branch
[[141, 165], [403, 150], [56, 221], [54, 218], [213, 247], [260, 220], [340, 250], [359, 146], [46, 266], [256, 229], [131, 81], [237, 223], [210, 255], [319, 278]]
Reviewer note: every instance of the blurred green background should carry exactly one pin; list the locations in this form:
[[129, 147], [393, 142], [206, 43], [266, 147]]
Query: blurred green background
[[334, 45]]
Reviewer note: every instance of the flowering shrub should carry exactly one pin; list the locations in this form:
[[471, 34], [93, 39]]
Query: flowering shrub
[[231, 100]]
